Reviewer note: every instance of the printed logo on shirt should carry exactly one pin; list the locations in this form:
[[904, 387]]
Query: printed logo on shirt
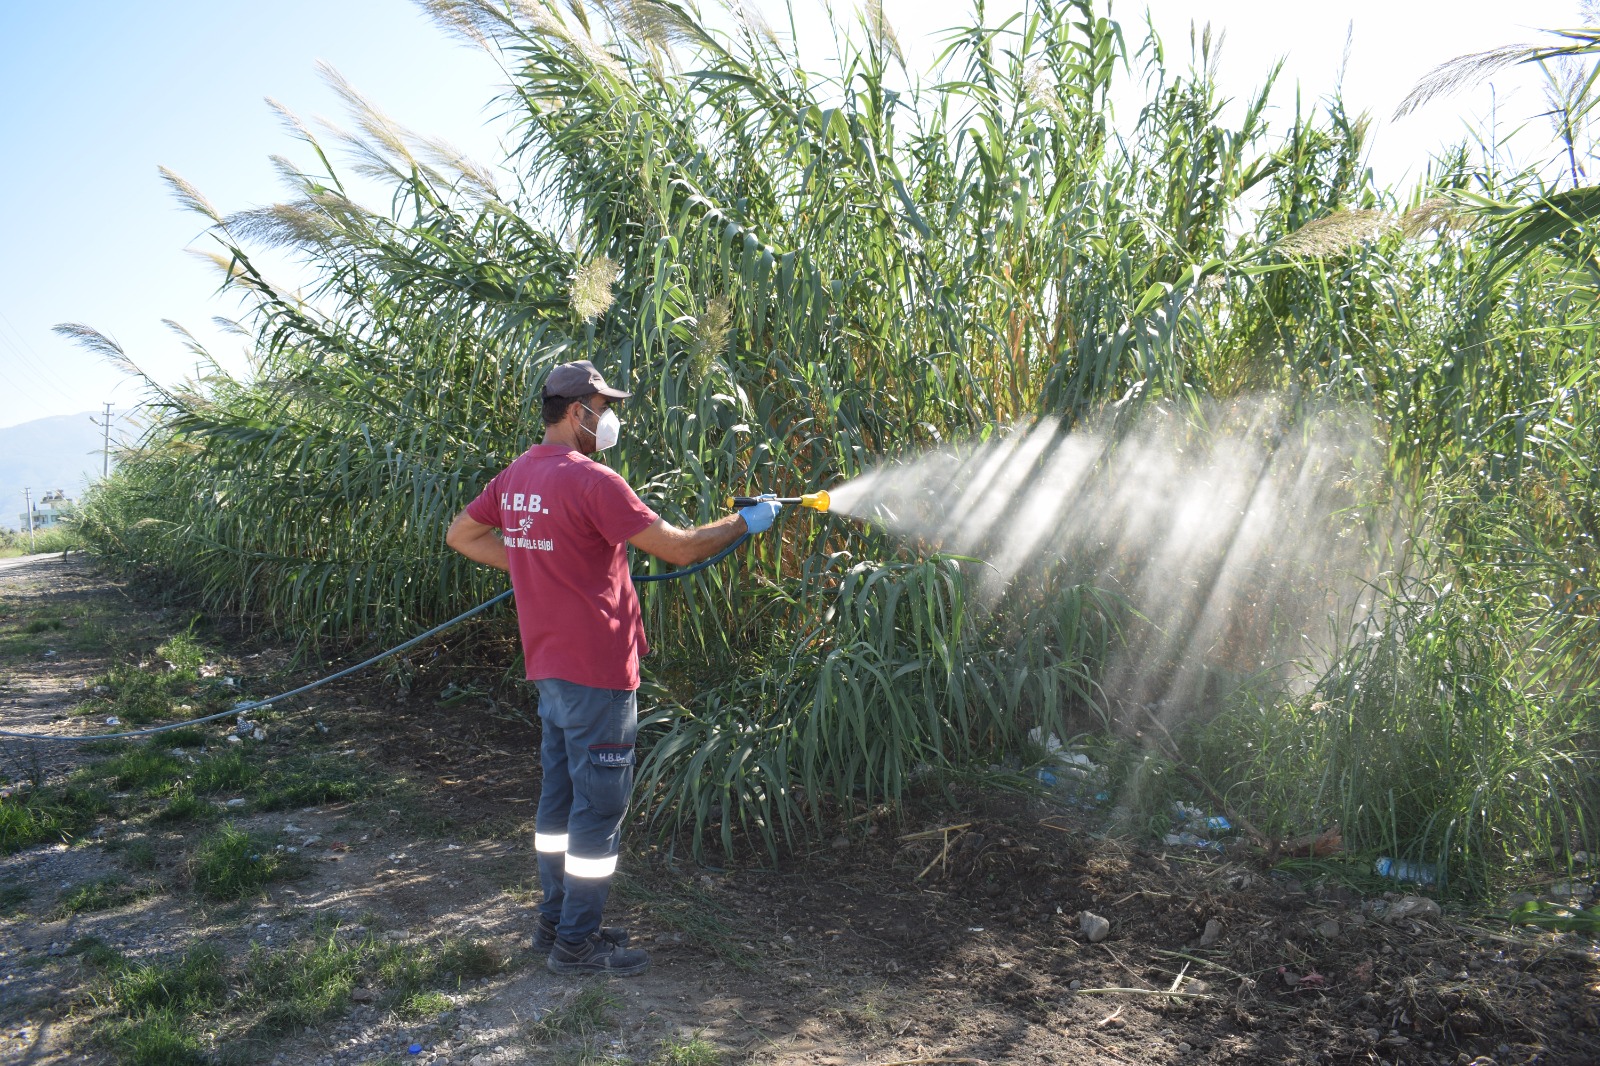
[[530, 504]]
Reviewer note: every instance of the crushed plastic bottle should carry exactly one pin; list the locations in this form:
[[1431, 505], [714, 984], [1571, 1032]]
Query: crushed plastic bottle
[[1192, 840], [1418, 873]]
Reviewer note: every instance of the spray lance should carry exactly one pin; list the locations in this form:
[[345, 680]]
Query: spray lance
[[817, 501]]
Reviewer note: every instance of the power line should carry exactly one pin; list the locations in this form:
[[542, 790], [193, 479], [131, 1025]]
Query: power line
[[27, 361], [33, 380]]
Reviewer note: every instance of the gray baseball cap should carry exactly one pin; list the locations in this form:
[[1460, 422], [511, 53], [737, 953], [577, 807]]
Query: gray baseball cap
[[579, 379]]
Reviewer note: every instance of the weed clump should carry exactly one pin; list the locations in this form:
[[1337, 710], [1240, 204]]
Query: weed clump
[[154, 1004], [48, 815], [226, 771], [146, 768], [185, 806], [101, 894], [164, 686], [691, 1052], [314, 979], [589, 1012], [230, 863]]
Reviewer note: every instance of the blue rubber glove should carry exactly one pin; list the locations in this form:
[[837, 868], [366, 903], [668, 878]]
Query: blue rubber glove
[[759, 515]]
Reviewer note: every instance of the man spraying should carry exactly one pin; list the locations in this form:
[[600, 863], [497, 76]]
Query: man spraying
[[559, 522]]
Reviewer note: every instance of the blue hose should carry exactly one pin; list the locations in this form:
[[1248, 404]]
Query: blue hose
[[243, 708]]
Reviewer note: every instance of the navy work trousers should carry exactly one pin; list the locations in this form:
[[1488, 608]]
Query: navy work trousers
[[587, 758]]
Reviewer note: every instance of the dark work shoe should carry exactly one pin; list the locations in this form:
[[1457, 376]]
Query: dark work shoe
[[596, 955], [544, 935]]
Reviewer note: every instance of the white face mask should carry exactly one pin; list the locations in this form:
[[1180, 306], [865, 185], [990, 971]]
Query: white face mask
[[607, 430]]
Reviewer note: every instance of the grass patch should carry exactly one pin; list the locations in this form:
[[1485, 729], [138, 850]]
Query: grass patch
[[182, 789], [588, 1013], [229, 770], [299, 780], [184, 652], [691, 1052], [422, 1006], [185, 806], [313, 980], [155, 1006], [230, 864], [137, 694], [307, 982], [102, 894], [25, 633], [1555, 916], [154, 1038], [870, 1012], [192, 981], [305, 781], [162, 1011], [148, 768], [188, 737], [48, 816], [527, 893], [165, 685]]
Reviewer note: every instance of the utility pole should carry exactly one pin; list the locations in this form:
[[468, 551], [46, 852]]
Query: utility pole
[[27, 494], [105, 447]]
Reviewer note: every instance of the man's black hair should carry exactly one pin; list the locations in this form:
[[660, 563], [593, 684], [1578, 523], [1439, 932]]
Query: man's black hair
[[555, 407]]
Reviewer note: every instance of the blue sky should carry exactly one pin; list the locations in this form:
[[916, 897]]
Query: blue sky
[[98, 94]]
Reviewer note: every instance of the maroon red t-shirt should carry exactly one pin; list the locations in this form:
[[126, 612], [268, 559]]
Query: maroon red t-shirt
[[565, 520]]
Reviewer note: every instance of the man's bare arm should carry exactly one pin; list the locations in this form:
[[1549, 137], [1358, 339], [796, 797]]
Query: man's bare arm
[[478, 542], [681, 547]]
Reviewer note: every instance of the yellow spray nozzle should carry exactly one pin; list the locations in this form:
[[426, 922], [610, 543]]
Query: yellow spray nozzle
[[817, 501]]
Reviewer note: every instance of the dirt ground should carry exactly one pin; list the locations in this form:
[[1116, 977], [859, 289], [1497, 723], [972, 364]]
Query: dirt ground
[[950, 934]]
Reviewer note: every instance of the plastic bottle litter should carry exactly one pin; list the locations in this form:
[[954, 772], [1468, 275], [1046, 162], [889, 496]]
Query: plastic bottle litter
[[1418, 873], [1070, 772], [1077, 764], [1196, 828], [1192, 840]]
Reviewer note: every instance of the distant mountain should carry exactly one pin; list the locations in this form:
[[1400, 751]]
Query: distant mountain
[[62, 452]]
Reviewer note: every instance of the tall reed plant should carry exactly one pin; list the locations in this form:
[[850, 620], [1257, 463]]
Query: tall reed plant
[[797, 273]]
